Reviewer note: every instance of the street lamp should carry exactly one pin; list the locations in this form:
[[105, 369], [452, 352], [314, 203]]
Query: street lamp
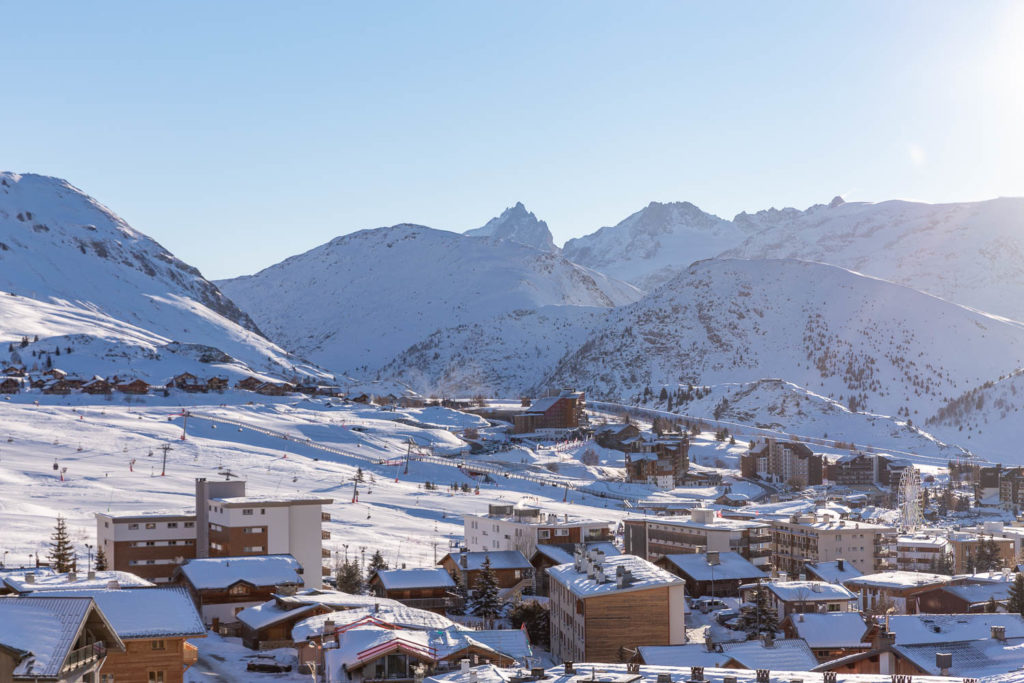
[[3, 561], [88, 566]]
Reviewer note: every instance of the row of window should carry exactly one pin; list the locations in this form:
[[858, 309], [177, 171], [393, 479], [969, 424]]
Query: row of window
[[152, 525], [150, 544]]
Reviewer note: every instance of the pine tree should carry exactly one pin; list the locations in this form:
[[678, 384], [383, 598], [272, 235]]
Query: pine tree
[[762, 618], [62, 554], [350, 577], [987, 557], [377, 562], [486, 601], [536, 619], [359, 475], [991, 607], [1015, 603], [101, 561], [461, 596]]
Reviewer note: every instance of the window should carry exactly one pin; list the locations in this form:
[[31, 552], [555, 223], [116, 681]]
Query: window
[[833, 607], [239, 589], [544, 533], [149, 543], [133, 527], [158, 645], [189, 525], [254, 549], [156, 677], [150, 525], [106, 678], [561, 532], [172, 525], [263, 511], [246, 511], [253, 529], [106, 525]]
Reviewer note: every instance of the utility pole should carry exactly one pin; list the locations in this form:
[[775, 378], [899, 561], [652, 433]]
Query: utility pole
[[163, 468]]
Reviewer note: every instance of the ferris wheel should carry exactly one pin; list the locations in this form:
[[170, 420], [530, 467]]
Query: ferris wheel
[[909, 503]]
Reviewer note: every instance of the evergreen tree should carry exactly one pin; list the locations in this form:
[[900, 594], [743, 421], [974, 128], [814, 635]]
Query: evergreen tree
[[991, 607], [486, 602], [350, 577], [461, 596], [536, 619], [377, 562], [762, 618], [61, 555], [359, 475], [1015, 603], [101, 561], [987, 557]]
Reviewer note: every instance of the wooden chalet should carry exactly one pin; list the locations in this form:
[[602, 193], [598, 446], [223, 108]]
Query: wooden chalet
[[249, 384], [715, 574], [135, 386], [831, 635], [270, 625], [97, 385], [10, 385], [55, 373], [562, 412], [430, 589], [58, 386], [217, 383], [275, 389], [13, 371], [510, 567]]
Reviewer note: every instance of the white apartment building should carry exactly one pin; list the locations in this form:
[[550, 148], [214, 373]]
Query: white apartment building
[[822, 537], [920, 552], [703, 531], [148, 545], [508, 527]]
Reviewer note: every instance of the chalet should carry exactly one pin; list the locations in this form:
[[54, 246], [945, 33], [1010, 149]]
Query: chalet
[[135, 386], [801, 597], [966, 598], [601, 604], [153, 624], [10, 385], [185, 381], [40, 581], [430, 589], [564, 412], [551, 555], [829, 636], [58, 386], [897, 589], [833, 571], [715, 573], [55, 373], [217, 383], [54, 640], [74, 382], [512, 571], [223, 586], [658, 460], [275, 389], [616, 436], [411, 402], [97, 385], [249, 383], [13, 371], [361, 397]]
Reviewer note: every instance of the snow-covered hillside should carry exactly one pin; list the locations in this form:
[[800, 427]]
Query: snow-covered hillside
[[654, 244], [519, 225], [502, 356], [969, 253], [864, 342], [359, 300], [74, 274], [986, 419]]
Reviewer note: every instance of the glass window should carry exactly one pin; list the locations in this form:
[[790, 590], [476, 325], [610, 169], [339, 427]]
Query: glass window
[[150, 525], [158, 644], [133, 527], [189, 525], [172, 525], [246, 511], [156, 677]]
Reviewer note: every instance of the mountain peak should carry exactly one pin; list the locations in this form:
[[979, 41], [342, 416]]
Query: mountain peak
[[517, 224]]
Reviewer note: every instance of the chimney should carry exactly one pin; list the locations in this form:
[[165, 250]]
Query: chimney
[[943, 662], [91, 575], [713, 558], [328, 626], [999, 633], [839, 564], [769, 640], [537, 673], [473, 676], [113, 585], [72, 577], [664, 678], [463, 561], [30, 578], [569, 670], [464, 665]]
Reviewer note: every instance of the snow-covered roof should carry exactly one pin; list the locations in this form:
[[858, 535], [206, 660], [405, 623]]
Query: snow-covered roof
[[49, 581], [618, 673], [500, 559], [786, 655], [44, 628], [259, 570], [971, 658], [270, 500], [270, 612], [398, 579], [691, 654], [806, 591], [731, 566], [922, 541], [830, 571], [485, 673], [644, 575], [561, 553], [723, 523], [898, 579], [831, 630], [395, 614], [337, 600], [980, 592], [145, 612], [915, 629]]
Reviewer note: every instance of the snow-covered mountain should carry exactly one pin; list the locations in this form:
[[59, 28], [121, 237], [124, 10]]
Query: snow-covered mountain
[[519, 225], [75, 274], [654, 244], [354, 303], [986, 419], [968, 253], [866, 343]]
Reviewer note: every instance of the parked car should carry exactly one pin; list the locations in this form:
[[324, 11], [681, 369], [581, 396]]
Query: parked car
[[706, 605], [726, 615]]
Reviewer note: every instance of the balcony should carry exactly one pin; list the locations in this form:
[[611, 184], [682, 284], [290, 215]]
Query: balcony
[[760, 538], [325, 571], [325, 516], [84, 656], [325, 535], [190, 654]]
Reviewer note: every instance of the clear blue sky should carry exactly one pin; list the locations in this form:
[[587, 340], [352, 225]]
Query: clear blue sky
[[239, 133]]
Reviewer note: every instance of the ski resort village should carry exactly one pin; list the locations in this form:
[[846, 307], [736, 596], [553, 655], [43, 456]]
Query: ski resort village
[[256, 488]]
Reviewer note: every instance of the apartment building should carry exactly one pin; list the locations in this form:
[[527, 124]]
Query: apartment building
[[920, 552], [600, 604], [508, 527], [783, 461], [964, 547], [552, 415], [225, 523], [821, 538], [703, 531], [862, 469]]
